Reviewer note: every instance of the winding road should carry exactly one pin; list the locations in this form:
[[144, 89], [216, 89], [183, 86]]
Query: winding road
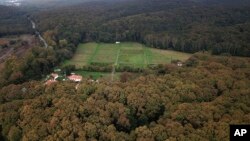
[[38, 33]]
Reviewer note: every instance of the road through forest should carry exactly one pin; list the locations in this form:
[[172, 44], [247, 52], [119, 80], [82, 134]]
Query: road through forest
[[38, 33]]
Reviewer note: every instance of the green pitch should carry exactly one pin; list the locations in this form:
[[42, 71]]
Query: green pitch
[[123, 54]]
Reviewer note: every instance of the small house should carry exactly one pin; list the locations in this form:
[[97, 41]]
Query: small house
[[75, 78], [54, 76], [179, 64]]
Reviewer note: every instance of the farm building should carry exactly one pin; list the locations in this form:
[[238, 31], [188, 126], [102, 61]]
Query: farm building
[[75, 78], [54, 76], [179, 64]]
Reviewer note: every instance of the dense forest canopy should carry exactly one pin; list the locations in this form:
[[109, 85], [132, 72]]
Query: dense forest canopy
[[197, 101], [183, 25], [13, 21], [188, 26]]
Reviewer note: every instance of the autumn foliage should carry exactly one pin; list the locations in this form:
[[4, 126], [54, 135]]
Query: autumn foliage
[[189, 103]]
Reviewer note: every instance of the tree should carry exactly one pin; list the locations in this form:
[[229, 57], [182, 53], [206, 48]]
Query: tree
[[15, 134], [63, 43]]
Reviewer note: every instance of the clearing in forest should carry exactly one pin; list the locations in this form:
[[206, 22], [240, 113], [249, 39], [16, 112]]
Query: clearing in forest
[[129, 54]]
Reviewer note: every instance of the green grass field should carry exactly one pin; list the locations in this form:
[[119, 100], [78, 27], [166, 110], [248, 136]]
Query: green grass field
[[94, 75], [97, 75], [123, 54]]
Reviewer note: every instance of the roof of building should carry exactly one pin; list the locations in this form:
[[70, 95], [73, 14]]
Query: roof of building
[[179, 64], [54, 75], [75, 77]]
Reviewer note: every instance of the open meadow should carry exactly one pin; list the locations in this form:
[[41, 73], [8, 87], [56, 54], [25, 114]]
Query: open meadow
[[129, 54]]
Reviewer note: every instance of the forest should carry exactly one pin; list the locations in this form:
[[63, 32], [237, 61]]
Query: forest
[[186, 26], [13, 21], [195, 102]]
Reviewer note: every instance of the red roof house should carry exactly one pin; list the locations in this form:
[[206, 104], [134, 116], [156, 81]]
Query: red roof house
[[76, 78]]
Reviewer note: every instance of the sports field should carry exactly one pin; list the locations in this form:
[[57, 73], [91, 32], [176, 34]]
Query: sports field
[[124, 54]]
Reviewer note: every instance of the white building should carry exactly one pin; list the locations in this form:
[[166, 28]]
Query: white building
[[54, 75], [179, 64]]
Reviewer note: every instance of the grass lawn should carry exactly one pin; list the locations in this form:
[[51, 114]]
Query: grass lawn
[[97, 75], [131, 59], [127, 53]]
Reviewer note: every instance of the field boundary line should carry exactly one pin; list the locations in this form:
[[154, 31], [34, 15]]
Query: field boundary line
[[145, 57], [94, 54], [116, 63], [146, 54], [117, 56]]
